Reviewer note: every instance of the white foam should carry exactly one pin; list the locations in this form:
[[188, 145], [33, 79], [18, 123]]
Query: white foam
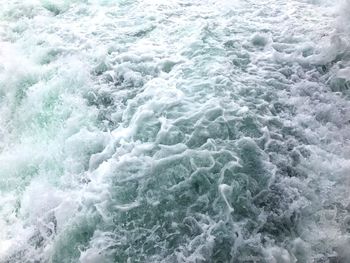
[[115, 109]]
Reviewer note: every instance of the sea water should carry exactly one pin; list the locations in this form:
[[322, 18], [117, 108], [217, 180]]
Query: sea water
[[174, 131]]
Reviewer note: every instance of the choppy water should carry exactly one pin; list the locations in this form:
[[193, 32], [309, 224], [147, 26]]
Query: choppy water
[[174, 131]]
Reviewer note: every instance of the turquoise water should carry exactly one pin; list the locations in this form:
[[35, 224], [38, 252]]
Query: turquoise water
[[174, 131]]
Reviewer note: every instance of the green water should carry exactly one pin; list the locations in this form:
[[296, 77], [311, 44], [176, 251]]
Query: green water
[[179, 131]]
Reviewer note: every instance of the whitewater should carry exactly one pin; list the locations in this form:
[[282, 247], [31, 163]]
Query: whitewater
[[174, 131]]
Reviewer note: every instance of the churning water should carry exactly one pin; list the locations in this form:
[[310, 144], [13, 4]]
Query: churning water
[[174, 131]]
